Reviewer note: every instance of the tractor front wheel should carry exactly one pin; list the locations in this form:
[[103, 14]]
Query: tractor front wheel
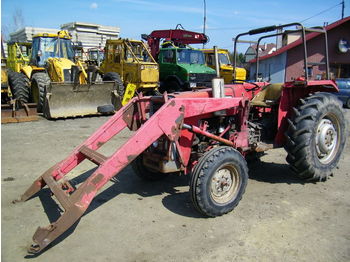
[[316, 136], [40, 81], [219, 181]]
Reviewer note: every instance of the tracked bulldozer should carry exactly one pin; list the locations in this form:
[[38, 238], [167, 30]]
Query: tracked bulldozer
[[61, 86]]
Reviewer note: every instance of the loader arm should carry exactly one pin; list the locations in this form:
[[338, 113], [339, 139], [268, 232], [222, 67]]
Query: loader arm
[[168, 120]]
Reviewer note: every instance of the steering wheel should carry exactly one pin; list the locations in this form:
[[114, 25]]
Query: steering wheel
[[256, 86]]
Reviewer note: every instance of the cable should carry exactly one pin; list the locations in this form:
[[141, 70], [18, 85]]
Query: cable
[[320, 13]]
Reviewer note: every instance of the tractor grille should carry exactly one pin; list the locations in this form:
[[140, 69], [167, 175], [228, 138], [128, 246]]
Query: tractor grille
[[193, 77], [201, 80]]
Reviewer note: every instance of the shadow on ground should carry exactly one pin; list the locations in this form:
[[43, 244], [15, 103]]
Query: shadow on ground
[[176, 201]]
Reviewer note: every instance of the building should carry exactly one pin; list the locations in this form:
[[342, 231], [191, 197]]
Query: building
[[85, 34], [91, 35], [263, 50], [287, 63]]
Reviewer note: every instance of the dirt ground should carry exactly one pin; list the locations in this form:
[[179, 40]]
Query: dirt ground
[[280, 218]]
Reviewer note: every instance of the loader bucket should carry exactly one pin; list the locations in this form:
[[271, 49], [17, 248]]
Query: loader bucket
[[69, 100]]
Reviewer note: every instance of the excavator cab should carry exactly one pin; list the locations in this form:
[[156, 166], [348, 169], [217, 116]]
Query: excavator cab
[[46, 46]]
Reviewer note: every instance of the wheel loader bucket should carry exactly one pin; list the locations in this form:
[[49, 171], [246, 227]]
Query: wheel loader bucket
[[69, 100]]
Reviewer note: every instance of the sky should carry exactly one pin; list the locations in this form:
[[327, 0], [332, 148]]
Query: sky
[[224, 19]]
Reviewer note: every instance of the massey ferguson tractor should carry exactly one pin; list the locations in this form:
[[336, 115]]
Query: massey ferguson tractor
[[206, 134]]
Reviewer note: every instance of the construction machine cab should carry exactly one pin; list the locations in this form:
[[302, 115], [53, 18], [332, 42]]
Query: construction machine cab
[[132, 61], [18, 55], [181, 67], [225, 66], [51, 45]]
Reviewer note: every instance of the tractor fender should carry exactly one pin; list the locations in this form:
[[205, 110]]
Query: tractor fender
[[290, 98]]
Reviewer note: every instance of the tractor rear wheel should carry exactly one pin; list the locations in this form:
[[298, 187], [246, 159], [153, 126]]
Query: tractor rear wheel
[[316, 136], [40, 81], [112, 76], [19, 85], [218, 181], [144, 172]]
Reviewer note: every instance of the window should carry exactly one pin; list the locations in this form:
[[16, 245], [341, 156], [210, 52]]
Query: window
[[168, 56]]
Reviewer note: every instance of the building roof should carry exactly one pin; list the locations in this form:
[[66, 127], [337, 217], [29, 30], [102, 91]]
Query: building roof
[[299, 41], [264, 49]]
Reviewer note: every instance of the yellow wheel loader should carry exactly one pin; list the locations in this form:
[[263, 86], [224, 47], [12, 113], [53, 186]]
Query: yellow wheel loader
[[60, 86], [18, 55], [226, 68], [13, 110], [130, 64]]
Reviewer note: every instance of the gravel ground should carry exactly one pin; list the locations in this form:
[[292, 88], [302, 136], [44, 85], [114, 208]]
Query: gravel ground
[[280, 218]]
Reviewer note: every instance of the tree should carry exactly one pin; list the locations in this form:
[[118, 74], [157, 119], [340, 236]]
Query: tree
[[16, 22], [240, 59]]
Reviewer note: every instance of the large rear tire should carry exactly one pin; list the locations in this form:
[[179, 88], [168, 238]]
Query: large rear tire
[[219, 181], [112, 76], [316, 136], [19, 85], [40, 81]]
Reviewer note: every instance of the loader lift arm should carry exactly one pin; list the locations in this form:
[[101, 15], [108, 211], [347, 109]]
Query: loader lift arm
[[173, 115], [177, 36]]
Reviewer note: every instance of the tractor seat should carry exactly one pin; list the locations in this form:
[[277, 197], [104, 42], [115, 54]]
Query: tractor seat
[[268, 96]]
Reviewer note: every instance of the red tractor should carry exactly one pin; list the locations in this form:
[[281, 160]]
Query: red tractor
[[208, 137]]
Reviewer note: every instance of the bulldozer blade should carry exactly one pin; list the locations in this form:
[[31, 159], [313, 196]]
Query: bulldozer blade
[[16, 113], [69, 100]]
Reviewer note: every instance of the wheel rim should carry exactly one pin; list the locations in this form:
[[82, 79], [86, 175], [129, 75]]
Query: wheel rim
[[225, 184], [327, 138]]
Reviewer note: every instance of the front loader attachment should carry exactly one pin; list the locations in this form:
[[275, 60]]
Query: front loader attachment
[[149, 124], [71, 100]]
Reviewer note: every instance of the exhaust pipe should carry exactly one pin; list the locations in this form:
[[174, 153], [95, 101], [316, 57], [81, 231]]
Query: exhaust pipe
[[218, 89]]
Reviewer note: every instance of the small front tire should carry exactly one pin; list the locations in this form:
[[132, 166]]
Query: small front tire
[[219, 181]]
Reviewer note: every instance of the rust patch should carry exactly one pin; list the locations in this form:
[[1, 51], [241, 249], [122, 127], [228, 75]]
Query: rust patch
[[179, 120], [99, 144], [172, 103], [97, 179], [128, 115], [131, 158]]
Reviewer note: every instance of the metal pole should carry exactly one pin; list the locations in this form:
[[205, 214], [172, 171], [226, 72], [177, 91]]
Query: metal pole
[[342, 9], [204, 18], [217, 66]]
